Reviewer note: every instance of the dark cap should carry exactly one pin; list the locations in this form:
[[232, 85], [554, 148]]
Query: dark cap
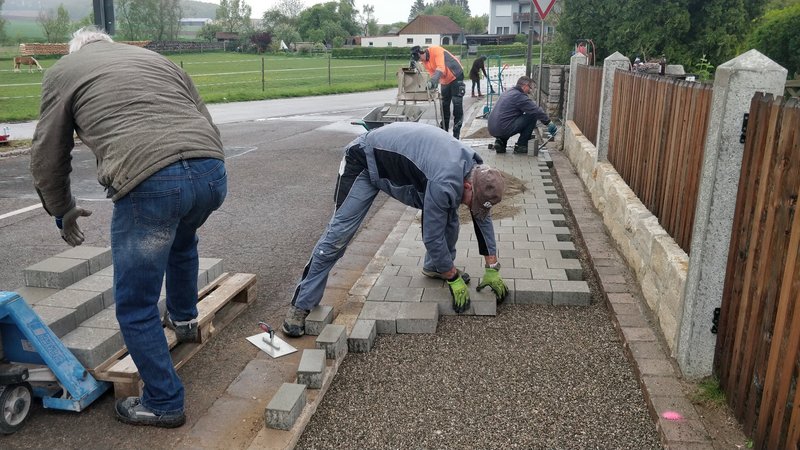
[[415, 52], [487, 189]]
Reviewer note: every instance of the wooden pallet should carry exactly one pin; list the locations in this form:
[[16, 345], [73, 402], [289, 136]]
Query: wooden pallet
[[219, 303]]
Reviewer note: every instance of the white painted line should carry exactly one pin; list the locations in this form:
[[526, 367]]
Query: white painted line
[[20, 211]]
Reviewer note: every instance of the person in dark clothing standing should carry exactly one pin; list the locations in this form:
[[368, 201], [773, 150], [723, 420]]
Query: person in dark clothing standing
[[478, 66], [516, 113]]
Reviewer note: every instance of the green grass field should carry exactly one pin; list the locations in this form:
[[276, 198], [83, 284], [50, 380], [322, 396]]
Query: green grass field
[[229, 77]]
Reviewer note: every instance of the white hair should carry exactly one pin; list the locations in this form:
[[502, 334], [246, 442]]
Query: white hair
[[86, 35]]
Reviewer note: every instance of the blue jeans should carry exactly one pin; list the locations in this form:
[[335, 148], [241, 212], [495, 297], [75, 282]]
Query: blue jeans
[[153, 232], [354, 196]]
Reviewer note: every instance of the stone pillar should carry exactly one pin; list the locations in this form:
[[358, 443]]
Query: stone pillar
[[610, 65], [576, 60], [735, 82]]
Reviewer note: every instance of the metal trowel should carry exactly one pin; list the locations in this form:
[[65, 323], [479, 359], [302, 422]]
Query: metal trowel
[[269, 343]]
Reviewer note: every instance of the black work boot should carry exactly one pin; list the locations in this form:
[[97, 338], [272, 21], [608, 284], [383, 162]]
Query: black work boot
[[521, 148], [499, 146], [295, 323]]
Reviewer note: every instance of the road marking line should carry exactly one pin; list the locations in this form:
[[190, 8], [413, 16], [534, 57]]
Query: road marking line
[[20, 211]]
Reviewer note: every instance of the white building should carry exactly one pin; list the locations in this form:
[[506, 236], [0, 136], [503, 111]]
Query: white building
[[422, 31]]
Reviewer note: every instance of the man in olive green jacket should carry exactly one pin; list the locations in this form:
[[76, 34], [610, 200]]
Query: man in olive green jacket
[[160, 158]]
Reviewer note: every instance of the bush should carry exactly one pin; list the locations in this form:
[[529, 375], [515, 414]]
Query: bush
[[776, 35]]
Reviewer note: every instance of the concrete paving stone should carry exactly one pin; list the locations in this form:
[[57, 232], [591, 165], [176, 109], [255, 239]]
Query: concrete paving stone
[[678, 404], [417, 318], [404, 294], [92, 346], [533, 292], [617, 288], [32, 295], [106, 318], [632, 320], [559, 263], [539, 237], [316, 320], [606, 279], [522, 273], [549, 274], [484, 303], [639, 334], [56, 272], [333, 340], [610, 271], [107, 272], [391, 271], [97, 283], [393, 281], [535, 264], [575, 293], [98, 258], [85, 303], [514, 253], [383, 313], [621, 309], [683, 432], [377, 293], [404, 260], [622, 298], [213, 266], [285, 406], [645, 350], [311, 370], [434, 295], [531, 245], [362, 337], [202, 279], [557, 230], [421, 281], [60, 320], [656, 367]]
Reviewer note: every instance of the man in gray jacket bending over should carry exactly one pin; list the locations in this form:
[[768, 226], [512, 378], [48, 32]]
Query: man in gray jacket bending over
[[515, 113], [421, 166], [160, 159]]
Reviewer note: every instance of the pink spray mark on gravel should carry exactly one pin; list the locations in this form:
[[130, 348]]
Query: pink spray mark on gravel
[[671, 415]]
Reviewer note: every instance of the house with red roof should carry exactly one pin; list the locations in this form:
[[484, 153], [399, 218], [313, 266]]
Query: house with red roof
[[422, 31]]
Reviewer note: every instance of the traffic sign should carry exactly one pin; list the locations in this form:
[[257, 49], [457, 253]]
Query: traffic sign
[[544, 6]]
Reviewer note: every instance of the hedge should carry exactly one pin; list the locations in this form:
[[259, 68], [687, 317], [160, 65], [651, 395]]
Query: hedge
[[517, 49]]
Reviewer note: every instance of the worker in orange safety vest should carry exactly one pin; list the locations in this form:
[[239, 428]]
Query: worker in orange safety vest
[[444, 69]]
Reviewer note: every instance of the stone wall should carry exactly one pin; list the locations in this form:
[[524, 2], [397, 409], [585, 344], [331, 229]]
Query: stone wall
[[659, 264]]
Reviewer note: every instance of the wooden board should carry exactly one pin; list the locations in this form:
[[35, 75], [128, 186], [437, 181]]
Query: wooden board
[[219, 303]]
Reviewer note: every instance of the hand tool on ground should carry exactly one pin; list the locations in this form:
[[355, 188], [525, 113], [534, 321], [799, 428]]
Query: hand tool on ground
[[272, 345]]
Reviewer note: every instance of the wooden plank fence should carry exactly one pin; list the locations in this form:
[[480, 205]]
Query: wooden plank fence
[[757, 353], [588, 81], [658, 128]]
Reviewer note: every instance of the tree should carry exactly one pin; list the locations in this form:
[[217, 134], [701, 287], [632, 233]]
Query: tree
[[455, 12], [261, 39], [286, 33], [477, 24], [776, 36], [234, 16], [55, 25], [323, 22], [285, 12], [385, 29], [463, 4], [157, 20], [2, 24], [416, 9], [209, 31], [366, 18]]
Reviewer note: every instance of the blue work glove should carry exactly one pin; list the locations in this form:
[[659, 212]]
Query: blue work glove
[[458, 290], [492, 279], [68, 224], [551, 128]]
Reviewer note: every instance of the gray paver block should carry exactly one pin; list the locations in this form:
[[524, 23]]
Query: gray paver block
[[318, 318], [60, 320], [417, 318], [32, 295], [92, 346], [213, 266], [106, 318], [333, 340], [383, 313], [403, 294], [571, 293], [98, 258], [286, 406], [97, 283], [85, 303], [533, 292], [56, 272], [311, 370], [484, 303], [107, 272], [362, 337], [202, 279]]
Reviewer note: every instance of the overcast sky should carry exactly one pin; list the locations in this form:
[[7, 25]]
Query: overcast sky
[[386, 11]]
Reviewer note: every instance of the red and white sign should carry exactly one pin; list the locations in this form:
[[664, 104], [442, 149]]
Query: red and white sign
[[544, 7]]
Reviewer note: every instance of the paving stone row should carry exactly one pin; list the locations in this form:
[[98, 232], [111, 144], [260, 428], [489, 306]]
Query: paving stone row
[[73, 294]]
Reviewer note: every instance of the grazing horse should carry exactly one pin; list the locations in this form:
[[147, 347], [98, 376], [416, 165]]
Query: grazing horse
[[30, 61]]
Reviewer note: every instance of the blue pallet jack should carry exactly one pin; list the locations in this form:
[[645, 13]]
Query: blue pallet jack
[[35, 363]]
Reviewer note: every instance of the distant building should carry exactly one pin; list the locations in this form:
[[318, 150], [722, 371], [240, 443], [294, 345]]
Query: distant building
[[423, 31], [514, 17], [195, 22]]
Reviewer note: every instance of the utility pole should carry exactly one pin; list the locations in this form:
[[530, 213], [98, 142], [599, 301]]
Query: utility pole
[[104, 15]]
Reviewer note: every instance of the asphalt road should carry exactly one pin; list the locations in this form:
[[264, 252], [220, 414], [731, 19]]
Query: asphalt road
[[282, 159]]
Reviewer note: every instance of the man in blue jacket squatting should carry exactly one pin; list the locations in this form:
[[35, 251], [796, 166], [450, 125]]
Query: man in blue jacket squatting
[[514, 113], [421, 166]]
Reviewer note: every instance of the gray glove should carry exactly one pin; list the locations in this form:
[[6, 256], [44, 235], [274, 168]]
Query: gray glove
[[431, 85], [68, 224], [551, 128]]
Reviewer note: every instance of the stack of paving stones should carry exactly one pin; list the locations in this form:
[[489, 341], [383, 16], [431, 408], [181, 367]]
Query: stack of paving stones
[[73, 293]]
